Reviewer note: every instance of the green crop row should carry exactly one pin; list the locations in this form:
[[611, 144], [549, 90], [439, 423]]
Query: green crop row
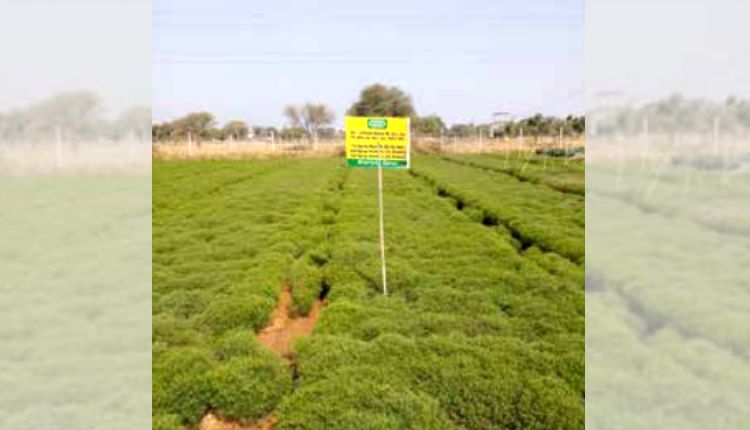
[[667, 299], [474, 333], [227, 236], [638, 373], [716, 200], [562, 175], [536, 215], [686, 280], [74, 281]]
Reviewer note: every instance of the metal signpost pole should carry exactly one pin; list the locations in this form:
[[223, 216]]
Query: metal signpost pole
[[382, 230]]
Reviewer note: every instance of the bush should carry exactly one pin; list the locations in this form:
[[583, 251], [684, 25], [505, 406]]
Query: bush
[[454, 301], [361, 321], [705, 162], [248, 388], [337, 273], [355, 290], [479, 382], [474, 386], [258, 282], [237, 344], [360, 399], [307, 282], [172, 331], [546, 402], [181, 383], [182, 303], [319, 355], [560, 152], [166, 422], [239, 311]]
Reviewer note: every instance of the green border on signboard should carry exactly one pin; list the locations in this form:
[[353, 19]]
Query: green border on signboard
[[387, 164]]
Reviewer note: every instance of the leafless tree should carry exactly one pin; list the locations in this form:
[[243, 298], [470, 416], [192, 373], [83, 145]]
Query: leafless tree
[[310, 117]]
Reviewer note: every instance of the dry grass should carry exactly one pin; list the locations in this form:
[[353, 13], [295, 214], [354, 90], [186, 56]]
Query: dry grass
[[97, 156], [302, 149], [72, 157], [246, 149], [662, 147], [478, 146]]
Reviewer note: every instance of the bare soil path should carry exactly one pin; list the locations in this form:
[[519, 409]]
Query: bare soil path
[[213, 422], [278, 336]]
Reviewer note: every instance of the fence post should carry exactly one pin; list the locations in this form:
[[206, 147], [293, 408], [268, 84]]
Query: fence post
[[644, 155], [58, 147], [715, 137], [724, 148]]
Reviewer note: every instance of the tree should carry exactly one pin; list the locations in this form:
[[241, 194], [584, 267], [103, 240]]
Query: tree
[[198, 124], [161, 132], [737, 112], [76, 114], [76, 110], [76, 118], [576, 124], [538, 125], [309, 117], [379, 100], [134, 122], [431, 124], [237, 130], [217, 134]]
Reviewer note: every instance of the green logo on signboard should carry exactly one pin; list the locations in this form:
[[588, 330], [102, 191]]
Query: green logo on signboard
[[377, 123]]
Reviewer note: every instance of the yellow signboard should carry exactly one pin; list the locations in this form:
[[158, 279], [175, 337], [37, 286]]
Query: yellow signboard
[[373, 141]]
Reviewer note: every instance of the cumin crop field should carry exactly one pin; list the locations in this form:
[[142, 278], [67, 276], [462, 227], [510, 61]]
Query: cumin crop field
[[483, 326], [667, 296], [74, 277]]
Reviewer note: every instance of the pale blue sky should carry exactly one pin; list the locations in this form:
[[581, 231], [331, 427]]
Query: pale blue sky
[[462, 59], [70, 45]]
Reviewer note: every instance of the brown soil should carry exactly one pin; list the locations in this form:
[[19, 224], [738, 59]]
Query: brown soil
[[213, 422], [280, 334]]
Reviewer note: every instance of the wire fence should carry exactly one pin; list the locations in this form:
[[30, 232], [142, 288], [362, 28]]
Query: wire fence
[[252, 148], [266, 147], [74, 155], [445, 144]]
